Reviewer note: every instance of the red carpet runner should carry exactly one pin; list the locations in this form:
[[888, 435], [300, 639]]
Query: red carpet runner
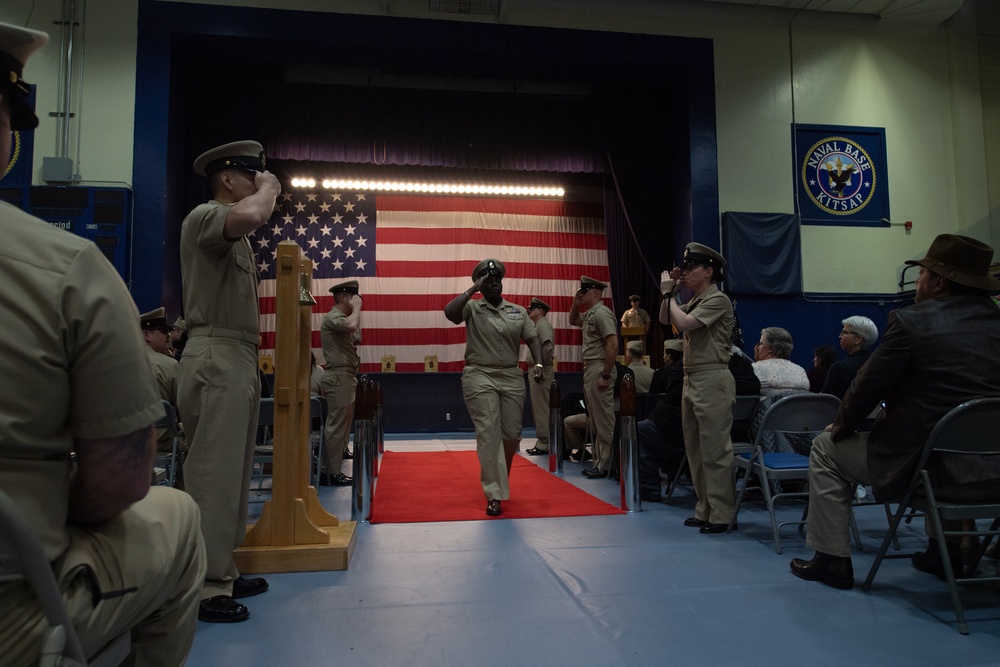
[[444, 486]]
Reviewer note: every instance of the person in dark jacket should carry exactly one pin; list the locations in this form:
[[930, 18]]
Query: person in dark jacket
[[858, 334], [823, 358], [935, 355]]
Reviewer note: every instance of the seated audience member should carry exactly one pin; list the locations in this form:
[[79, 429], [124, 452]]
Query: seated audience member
[[772, 366], [76, 380], [823, 358], [858, 334], [315, 389], [643, 373], [935, 355], [577, 424], [661, 437], [747, 384], [178, 337]]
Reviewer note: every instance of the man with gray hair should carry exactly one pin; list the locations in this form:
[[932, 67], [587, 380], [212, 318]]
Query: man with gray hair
[[858, 334]]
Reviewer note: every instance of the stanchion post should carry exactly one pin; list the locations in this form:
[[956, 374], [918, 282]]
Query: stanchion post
[[631, 498], [555, 429], [378, 418]]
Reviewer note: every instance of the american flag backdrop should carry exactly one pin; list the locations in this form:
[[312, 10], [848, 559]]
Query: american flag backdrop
[[413, 253]]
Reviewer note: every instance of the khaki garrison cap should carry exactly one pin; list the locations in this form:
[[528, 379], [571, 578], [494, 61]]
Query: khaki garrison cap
[[245, 155], [676, 344]]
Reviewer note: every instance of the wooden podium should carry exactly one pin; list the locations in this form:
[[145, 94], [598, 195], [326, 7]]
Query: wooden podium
[[630, 334], [294, 532]]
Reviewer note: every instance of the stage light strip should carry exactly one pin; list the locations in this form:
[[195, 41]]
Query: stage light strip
[[432, 188]]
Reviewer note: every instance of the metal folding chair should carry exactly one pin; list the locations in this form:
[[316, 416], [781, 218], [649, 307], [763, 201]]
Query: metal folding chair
[[972, 428]]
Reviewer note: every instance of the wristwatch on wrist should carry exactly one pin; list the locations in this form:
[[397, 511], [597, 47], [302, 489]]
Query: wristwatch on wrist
[[605, 376]]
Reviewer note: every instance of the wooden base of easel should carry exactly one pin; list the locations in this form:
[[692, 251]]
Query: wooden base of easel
[[334, 555]]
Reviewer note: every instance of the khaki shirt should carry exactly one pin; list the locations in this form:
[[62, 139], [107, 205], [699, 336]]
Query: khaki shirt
[[636, 317], [165, 373], [709, 344], [598, 323], [219, 277], [72, 365], [493, 335], [545, 334], [340, 348]]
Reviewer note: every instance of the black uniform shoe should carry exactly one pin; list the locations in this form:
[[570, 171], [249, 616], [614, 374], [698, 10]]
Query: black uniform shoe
[[247, 588], [716, 528], [222, 609], [348, 454], [340, 479], [595, 473], [651, 496], [836, 571], [694, 522], [535, 451], [493, 508]]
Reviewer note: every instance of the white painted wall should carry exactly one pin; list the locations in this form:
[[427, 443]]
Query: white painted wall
[[919, 82]]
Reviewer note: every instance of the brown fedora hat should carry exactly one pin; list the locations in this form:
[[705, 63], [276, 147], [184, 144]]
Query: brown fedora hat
[[960, 259]]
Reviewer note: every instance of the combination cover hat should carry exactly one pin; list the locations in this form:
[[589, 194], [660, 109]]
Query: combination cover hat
[[154, 320], [350, 286], [633, 297], [538, 303], [245, 155], [16, 46], [493, 267], [960, 259], [696, 253], [586, 282]]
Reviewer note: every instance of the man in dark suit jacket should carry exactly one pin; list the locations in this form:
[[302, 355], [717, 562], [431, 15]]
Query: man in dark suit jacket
[[936, 354]]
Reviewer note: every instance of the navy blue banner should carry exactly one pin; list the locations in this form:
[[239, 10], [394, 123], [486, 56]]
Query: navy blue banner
[[841, 175]]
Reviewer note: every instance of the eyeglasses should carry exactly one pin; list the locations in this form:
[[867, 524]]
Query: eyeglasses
[[845, 332]]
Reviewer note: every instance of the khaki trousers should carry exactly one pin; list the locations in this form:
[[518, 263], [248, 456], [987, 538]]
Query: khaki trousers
[[340, 388], [707, 416], [601, 406], [540, 406], [495, 399], [142, 570], [219, 400]]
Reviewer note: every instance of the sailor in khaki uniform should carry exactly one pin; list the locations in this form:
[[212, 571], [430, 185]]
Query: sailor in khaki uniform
[[218, 386], [538, 311], [340, 333], [74, 379], [156, 333], [492, 383], [709, 388], [600, 350]]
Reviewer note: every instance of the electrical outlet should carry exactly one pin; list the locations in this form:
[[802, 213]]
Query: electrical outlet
[[447, 416]]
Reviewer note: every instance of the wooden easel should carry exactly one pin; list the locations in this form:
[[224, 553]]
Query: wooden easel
[[294, 532]]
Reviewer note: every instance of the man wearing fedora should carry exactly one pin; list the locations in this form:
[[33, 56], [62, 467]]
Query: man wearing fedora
[[538, 311], [340, 332], [218, 387], [936, 354]]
